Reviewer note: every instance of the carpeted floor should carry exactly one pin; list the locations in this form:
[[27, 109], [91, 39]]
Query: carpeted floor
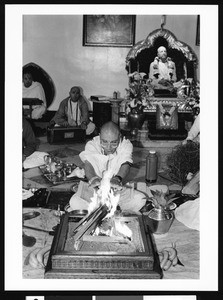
[[70, 154]]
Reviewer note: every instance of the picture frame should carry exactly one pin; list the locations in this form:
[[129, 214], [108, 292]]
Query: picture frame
[[109, 30], [198, 31]]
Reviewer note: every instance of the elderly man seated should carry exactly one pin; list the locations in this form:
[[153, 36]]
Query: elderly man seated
[[162, 72], [73, 111], [108, 151], [33, 89], [107, 161]]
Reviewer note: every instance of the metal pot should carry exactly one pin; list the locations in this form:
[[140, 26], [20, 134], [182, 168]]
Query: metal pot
[[159, 220], [136, 120]]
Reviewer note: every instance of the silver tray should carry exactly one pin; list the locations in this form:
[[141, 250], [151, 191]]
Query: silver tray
[[56, 178]]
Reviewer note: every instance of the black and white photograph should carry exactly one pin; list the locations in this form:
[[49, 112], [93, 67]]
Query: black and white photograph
[[113, 134]]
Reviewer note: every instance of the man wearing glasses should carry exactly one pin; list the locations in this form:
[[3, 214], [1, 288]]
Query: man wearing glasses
[[108, 151]]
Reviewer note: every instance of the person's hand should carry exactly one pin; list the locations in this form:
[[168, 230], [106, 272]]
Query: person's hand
[[190, 176], [116, 183], [184, 142], [84, 125], [65, 124], [95, 182]]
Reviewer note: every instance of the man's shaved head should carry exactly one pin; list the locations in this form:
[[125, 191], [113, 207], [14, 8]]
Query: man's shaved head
[[161, 48], [109, 137], [162, 53], [110, 127]]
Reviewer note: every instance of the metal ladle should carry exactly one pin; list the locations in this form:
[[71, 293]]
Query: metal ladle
[[28, 241]]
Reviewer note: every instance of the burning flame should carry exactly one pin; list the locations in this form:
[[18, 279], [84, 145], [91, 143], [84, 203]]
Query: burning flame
[[105, 195], [123, 229]]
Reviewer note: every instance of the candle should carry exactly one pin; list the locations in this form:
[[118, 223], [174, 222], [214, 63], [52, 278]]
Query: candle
[[137, 66]]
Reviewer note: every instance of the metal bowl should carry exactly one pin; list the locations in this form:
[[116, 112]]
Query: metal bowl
[[79, 212]]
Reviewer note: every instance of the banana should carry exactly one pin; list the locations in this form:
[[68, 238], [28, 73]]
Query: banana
[[175, 261], [167, 265], [34, 264], [160, 256], [172, 252], [165, 258], [33, 260], [40, 255]]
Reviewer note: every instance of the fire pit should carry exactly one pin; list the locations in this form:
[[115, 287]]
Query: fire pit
[[76, 253]]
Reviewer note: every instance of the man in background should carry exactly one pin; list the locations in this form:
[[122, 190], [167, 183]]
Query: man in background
[[73, 111], [33, 89]]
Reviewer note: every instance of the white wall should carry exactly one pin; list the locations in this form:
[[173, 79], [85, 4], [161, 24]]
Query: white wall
[[54, 42]]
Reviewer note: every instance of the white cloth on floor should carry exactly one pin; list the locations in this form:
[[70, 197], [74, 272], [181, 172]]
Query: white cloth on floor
[[99, 161], [36, 159], [188, 213]]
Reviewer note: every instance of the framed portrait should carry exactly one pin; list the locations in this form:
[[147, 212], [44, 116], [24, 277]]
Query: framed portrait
[[109, 30], [198, 31]]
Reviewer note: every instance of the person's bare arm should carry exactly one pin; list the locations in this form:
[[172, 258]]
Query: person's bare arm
[[93, 178], [117, 179], [124, 170]]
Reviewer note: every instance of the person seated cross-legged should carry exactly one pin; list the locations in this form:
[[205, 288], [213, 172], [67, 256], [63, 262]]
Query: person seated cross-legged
[[73, 111]]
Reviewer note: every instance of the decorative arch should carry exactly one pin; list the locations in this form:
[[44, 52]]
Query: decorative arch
[[143, 53], [44, 78]]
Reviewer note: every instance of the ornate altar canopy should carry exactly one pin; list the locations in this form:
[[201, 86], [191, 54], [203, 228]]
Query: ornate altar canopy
[[142, 54]]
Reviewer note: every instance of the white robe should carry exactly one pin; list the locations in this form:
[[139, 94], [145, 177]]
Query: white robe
[[93, 154], [35, 90]]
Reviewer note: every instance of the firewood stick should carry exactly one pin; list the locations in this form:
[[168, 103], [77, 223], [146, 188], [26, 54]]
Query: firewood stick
[[96, 217], [86, 219]]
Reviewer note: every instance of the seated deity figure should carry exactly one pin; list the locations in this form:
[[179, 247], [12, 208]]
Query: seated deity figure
[[162, 72]]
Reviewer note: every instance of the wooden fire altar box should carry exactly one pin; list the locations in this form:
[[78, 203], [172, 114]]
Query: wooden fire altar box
[[105, 259]]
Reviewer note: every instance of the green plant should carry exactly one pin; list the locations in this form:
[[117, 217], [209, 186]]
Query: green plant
[[160, 199], [182, 160]]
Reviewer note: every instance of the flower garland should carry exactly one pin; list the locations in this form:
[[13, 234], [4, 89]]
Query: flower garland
[[170, 65]]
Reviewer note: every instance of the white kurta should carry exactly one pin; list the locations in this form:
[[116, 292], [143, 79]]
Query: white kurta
[[35, 91], [112, 162]]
